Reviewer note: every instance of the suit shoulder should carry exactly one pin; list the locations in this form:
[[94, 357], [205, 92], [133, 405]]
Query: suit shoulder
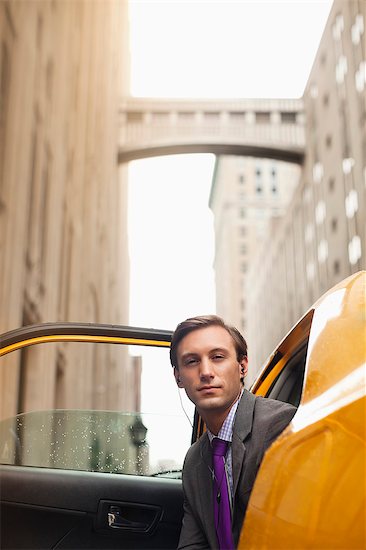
[[273, 405], [194, 450], [272, 415]]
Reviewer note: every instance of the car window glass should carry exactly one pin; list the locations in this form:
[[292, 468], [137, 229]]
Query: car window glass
[[288, 384], [112, 409]]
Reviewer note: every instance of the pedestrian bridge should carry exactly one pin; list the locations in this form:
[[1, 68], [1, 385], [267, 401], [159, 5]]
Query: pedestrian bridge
[[266, 128]]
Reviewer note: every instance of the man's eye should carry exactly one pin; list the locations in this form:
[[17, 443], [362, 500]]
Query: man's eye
[[218, 356], [190, 361]]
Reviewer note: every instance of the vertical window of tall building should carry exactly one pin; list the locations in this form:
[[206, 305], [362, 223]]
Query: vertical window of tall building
[[241, 178], [338, 27], [357, 29], [360, 77], [347, 165], [309, 233], [334, 225], [322, 251], [336, 267], [318, 172], [354, 250], [351, 203], [328, 141], [320, 212], [341, 69]]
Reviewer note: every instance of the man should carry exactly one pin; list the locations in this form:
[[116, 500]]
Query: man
[[210, 363]]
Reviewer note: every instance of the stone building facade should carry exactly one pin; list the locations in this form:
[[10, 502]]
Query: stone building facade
[[63, 241], [246, 194], [321, 238]]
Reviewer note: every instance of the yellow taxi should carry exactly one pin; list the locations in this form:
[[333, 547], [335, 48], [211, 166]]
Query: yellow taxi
[[96, 478]]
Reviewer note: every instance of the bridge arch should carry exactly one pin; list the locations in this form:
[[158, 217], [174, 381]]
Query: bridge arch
[[265, 128], [293, 156]]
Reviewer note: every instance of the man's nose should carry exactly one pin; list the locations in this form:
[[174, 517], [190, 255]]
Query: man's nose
[[206, 369]]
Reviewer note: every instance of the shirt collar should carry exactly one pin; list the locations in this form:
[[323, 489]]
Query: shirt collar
[[226, 430]]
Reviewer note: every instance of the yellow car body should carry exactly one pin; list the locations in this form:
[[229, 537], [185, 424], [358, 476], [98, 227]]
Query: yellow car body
[[310, 489]]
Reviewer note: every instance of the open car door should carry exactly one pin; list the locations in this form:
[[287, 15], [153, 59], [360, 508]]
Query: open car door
[[88, 477]]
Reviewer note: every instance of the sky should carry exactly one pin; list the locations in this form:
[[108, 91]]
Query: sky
[[193, 49], [201, 48]]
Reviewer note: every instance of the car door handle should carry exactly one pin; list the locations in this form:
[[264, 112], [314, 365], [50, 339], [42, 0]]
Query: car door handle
[[127, 516], [117, 521]]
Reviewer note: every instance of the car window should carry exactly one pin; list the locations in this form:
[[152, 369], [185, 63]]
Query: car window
[[288, 384], [282, 377], [115, 409]]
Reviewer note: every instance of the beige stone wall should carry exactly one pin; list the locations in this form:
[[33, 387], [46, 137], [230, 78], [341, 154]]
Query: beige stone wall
[[63, 237], [321, 240]]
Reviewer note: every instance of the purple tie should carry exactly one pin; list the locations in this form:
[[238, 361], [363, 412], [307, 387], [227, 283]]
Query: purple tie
[[221, 495]]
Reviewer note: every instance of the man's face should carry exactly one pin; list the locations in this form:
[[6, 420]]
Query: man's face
[[209, 370]]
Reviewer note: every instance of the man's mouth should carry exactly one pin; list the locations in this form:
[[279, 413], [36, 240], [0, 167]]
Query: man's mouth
[[208, 388]]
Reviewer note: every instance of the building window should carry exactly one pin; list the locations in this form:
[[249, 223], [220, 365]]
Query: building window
[[242, 231], [243, 267], [288, 117], [237, 115], [134, 116], [336, 267], [160, 116], [334, 224], [212, 116], [241, 178], [242, 213], [259, 189], [328, 141], [351, 203], [357, 29], [360, 77], [331, 184], [338, 27], [263, 117], [314, 91], [320, 212], [341, 69], [318, 172], [322, 251], [186, 115], [309, 233], [326, 100], [347, 165], [243, 249], [354, 250]]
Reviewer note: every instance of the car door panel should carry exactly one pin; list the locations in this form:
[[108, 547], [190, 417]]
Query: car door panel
[[72, 509]]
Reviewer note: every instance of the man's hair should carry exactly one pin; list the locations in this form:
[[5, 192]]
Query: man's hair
[[204, 321]]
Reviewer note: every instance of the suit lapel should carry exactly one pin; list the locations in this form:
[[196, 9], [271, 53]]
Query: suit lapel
[[204, 483], [241, 429]]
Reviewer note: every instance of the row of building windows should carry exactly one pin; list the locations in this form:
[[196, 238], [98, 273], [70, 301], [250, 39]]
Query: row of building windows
[[354, 255], [259, 117], [318, 170], [259, 174]]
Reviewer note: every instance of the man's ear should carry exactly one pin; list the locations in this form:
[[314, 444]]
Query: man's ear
[[243, 368], [177, 378]]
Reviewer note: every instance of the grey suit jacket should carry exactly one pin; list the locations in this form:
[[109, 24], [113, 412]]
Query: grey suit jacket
[[257, 423]]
